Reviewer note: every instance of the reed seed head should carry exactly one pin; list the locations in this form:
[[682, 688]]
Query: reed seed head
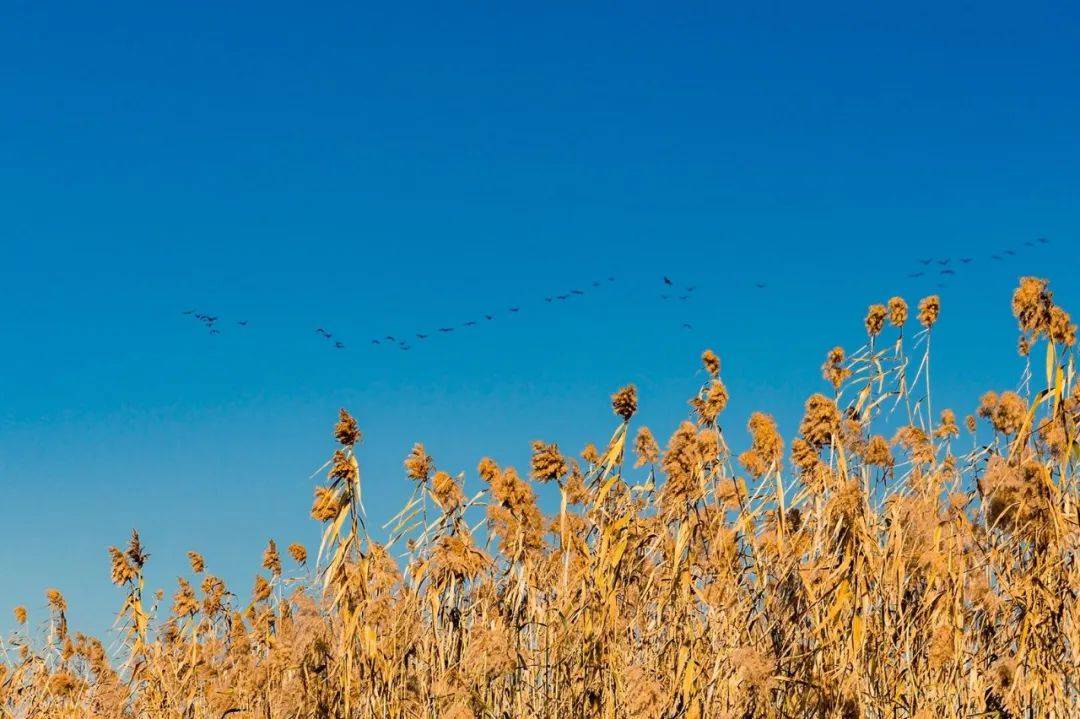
[[929, 310], [624, 402], [346, 431], [898, 311]]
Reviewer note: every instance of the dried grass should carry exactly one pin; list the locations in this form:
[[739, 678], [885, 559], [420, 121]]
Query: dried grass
[[868, 579]]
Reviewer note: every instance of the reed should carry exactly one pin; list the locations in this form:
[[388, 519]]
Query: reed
[[888, 561]]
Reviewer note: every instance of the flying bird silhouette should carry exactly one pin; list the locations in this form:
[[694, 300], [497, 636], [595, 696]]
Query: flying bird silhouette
[[966, 260], [470, 323], [324, 333], [667, 280], [1010, 253], [242, 323], [515, 309], [926, 262], [916, 274], [446, 329], [374, 342], [760, 285], [944, 261], [1029, 243], [339, 345], [187, 312], [488, 317], [687, 326], [996, 257], [948, 272], [1042, 241], [576, 292], [420, 336]]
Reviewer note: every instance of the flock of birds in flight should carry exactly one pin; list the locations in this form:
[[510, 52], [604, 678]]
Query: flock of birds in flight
[[671, 292], [946, 271], [213, 326]]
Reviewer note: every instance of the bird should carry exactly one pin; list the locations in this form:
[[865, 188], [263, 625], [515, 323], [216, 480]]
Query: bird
[[390, 338], [1010, 253], [548, 300], [446, 329], [470, 323], [684, 297], [339, 345], [215, 332], [187, 312], [966, 260], [242, 323], [948, 272], [610, 279], [576, 292], [374, 342], [995, 257], [916, 274], [1042, 241], [663, 297], [687, 326], [488, 317], [562, 298], [421, 336], [595, 284], [667, 280], [691, 288], [1029, 243], [759, 285], [926, 262], [515, 309], [943, 262], [324, 333]]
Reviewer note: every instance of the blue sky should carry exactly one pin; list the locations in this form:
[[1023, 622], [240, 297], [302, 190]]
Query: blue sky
[[391, 170]]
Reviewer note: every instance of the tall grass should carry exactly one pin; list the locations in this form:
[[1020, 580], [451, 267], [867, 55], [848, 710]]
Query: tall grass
[[890, 561]]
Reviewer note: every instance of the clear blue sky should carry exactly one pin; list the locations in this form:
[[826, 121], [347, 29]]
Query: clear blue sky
[[385, 171]]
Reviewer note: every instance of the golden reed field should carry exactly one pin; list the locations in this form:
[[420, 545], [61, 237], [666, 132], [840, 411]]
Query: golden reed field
[[895, 559]]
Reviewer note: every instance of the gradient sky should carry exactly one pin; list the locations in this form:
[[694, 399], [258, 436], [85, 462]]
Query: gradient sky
[[391, 170]]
